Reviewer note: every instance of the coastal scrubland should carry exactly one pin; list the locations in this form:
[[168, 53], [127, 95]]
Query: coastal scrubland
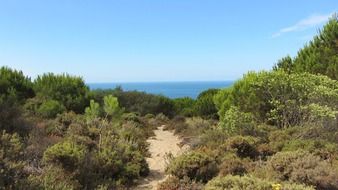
[[274, 129]]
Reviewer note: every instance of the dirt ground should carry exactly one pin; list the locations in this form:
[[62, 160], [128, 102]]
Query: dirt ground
[[162, 143]]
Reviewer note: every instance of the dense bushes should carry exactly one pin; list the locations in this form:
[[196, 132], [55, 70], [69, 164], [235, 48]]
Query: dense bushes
[[138, 102], [70, 91], [276, 130], [12, 175], [205, 106], [14, 83], [236, 121], [249, 183], [15, 88], [233, 165], [303, 167], [50, 108], [282, 99], [143, 103], [69, 154], [103, 151], [194, 165], [64, 149], [185, 106]]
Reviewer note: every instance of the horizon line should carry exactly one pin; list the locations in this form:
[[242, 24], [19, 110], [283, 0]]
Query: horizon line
[[175, 81]]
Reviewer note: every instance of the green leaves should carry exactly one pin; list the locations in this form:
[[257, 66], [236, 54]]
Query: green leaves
[[285, 64], [235, 121], [205, 106], [93, 111], [69, 90], [14, 83], [67, 153], [11, 156], [50, 108], [279, 98], [110, 108], [320, 56], [111, 105]]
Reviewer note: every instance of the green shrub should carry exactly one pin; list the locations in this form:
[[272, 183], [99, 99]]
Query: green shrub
[[280, 98], [249, 183], [205, 106], [56, 178], [194, 165], [321, 148], [14, 83], [303, 167], [15, 88], [213, 138], [143, 103], [12, 175], [195, 126], [50, 108], [111, 106], [67, 153], [185, 106], [236, 121], [70, 91], [93, 111], [131, 117]]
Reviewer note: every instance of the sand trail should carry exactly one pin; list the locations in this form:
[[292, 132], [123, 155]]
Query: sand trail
[[162, 143]]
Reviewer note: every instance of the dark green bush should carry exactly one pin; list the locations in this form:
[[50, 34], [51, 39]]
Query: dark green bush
[[131, 117], [12, 174], [50, 108], [15, 88], [13, 83], [185, 106], [143, 103], [70, 91], [67, 153], [319, 56], [243, 146], [205, 106]]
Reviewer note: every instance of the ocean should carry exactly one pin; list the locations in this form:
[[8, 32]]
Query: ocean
[[169, 89]]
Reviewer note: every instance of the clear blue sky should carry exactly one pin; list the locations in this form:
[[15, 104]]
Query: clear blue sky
[[155, 40]]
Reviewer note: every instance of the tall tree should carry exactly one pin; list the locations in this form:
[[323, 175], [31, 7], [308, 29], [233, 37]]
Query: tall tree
[[320, 56]]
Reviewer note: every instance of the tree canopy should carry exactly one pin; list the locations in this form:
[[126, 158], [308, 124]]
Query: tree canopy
[[69, 90]]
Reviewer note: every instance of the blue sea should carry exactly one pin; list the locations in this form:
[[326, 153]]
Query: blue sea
[[169, 89]]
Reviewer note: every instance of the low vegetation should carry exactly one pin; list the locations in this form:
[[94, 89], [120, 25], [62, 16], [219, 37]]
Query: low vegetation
[[270, 130]]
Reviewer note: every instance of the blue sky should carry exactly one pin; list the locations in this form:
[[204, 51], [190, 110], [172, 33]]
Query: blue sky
[[155, 40]]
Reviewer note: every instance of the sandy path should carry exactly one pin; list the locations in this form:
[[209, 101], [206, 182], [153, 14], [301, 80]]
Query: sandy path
[[163, 142]]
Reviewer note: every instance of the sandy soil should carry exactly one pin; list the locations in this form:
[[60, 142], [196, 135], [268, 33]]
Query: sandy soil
[[162, 143]]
